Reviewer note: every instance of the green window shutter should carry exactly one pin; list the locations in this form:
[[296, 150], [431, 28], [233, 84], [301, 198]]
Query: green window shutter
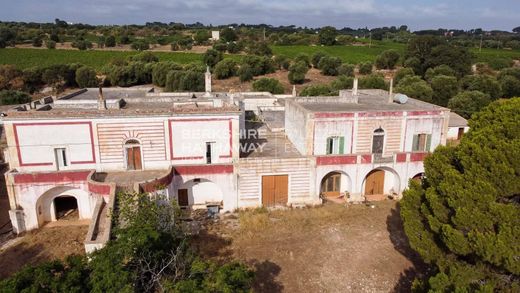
[[428, 142], [415, 143], [341, 144], [329, 146]]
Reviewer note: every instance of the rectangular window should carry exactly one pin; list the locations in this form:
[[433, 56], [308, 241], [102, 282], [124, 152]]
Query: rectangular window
[[61, 158], [209, 152], [335, 145], [421, 142]]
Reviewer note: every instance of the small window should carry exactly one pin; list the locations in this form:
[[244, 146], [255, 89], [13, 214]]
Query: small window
[[61, 158], [209, 152], [335, 145], [421, 142]]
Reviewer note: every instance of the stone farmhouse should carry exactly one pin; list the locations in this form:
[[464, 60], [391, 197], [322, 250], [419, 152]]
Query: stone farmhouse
[[222, 151]]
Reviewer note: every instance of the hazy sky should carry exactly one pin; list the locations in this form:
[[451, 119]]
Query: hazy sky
[[464, 14]]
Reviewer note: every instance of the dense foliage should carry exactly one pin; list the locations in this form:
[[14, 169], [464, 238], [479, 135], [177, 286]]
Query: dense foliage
[[464, 218], [268, 85], [149, 253]]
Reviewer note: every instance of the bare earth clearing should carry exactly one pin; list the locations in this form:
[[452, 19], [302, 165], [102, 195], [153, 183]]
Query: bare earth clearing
[[332, 248]]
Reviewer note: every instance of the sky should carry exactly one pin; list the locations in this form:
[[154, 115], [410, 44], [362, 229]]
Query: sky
[[421, 14]]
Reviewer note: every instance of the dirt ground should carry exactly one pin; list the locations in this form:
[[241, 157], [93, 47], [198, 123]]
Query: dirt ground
[[50, 242], [332, 248]]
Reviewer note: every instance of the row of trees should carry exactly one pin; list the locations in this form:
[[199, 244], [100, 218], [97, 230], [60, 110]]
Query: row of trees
[[150, 252]]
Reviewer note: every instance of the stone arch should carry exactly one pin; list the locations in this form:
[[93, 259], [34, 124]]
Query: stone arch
[[45, 209], [418, 177], [391, 182], [330, 179], [200, 192]]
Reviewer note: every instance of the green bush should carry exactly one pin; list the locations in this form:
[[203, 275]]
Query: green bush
[[82, 45], [160, 71], [86, 77], [140, 45], [342, 82], [225, 68], [268, 85], [365, 68], [303, 57], [110, 41], [297, 72], [260, 49], [146, 57], [185, 80], [373, 81], [483, 83], [259, 64], [415, 87], [221, 47], [468, 102], [317, 90], [37, 42], [401, 73], [500, 63], [212, 57], [282, 62], [510, 86], [316, 57], [329, 65], [135, 73], [438, 70], [11, 97], [444, 88], [347, 69], [387, 59], [234, 48], [50, 44], [245, 73]]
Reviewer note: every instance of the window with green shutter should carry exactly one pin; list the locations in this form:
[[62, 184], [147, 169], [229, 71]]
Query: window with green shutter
[[421, 142], [335, 145]]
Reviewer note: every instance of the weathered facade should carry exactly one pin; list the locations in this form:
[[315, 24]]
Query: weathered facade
[[230, 150]]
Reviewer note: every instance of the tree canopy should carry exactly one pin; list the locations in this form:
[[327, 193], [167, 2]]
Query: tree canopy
[[464, 218]]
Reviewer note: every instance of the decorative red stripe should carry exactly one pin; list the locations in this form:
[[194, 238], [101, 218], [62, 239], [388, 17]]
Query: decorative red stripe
[[205, 169], [379, 114], [418, 113], [336, 160], [400, 158], [416, 157], [53, 177], [366, 159]]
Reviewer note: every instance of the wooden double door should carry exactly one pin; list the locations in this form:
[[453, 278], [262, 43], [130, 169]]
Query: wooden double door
[[275, 190], [133, 158], [375, 183], [330, 186]]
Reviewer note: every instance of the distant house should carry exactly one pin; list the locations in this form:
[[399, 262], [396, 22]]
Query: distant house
[[215, 35], [457, 126]]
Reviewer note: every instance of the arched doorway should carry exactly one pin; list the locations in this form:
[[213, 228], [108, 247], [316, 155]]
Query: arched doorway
[[380, 182], [133, 155], [378, 141], [199, 192], [335, 184], [66, 208]]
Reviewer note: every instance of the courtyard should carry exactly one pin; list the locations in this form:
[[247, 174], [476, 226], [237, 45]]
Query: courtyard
[[331, 248]]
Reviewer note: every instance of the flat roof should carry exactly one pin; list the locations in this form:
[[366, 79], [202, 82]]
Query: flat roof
[[368, 101]]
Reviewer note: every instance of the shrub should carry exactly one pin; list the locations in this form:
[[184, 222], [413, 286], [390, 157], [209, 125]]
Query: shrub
[[146, 57], [513, 71], [160, 71], [50, 44], [483, 83], [259, 64], [342, 82], [82, 45], [413, 63], [365, 68], [185, 80], [86, 77], [327, 35], [510, 86], [233, 48], [317, 90], [245, 73], [37, 42], [438, 70], [225, 69], [268, 85], [444, 88], [401, 73], [134, 73], [11, 97], [221, 47], [347, 69], [212, 57], [316, 57], [282, 62], [302, 57], [500, 63], [260, 48], [415, 87], [329, 65], [110, 41], [297, 72], [387, 59], [373, 81], [140, 45]]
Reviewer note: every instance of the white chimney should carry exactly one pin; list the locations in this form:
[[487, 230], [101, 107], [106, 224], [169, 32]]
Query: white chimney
[[355, 87], [208, 80], [294, 91]]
